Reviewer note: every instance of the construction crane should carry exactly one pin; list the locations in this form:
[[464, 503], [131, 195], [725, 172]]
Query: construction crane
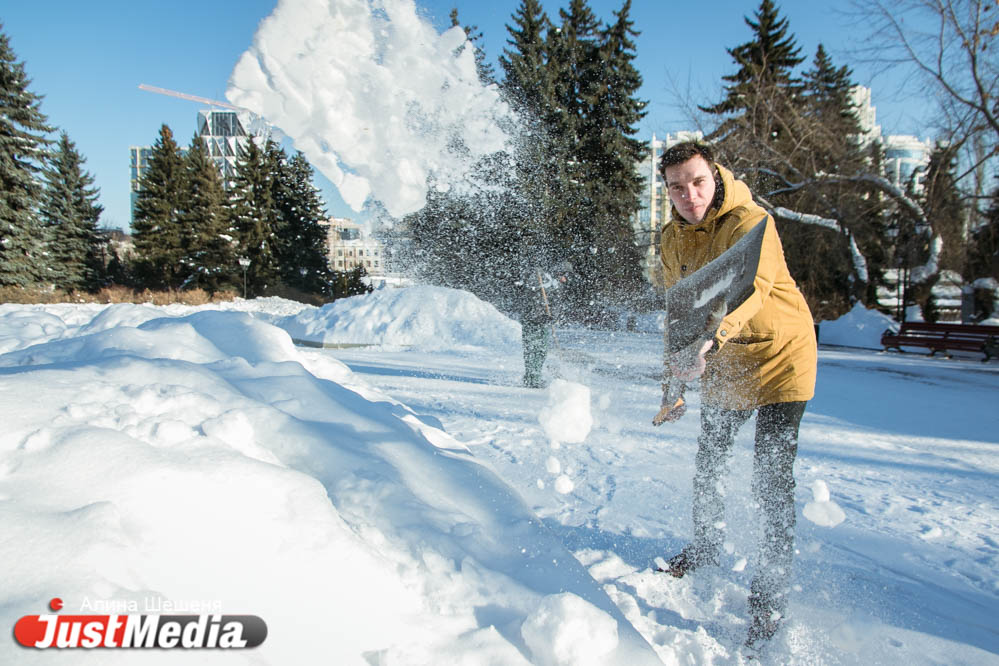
[[192, 98], [255, 124]]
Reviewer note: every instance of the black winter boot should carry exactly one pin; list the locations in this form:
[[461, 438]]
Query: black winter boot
[[686, 560]]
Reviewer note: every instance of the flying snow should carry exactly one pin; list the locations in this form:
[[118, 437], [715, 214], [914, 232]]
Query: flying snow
[[376, 99]]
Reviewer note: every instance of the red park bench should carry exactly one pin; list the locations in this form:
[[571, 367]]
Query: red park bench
[[944, 338]]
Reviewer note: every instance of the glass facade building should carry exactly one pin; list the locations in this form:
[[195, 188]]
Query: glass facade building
[[225, 135], [906, 157]]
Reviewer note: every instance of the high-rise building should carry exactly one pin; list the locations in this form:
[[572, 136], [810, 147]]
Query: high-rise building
[[866, 114], [224, 133], [905, 156], [138, 157]]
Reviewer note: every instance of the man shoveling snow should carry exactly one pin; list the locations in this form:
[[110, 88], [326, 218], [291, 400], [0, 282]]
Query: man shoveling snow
[[761, 357]]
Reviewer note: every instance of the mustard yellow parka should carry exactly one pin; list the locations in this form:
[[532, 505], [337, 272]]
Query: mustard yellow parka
[[766, 350]]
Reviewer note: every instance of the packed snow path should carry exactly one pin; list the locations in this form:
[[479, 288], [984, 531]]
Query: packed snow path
[[907, 447]]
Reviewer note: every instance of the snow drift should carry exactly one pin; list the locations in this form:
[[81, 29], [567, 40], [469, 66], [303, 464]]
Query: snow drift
[[423, 317], [204, 460]]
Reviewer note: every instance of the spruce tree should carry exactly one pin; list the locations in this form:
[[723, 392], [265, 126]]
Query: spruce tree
[[574, 67], [23, 126], [945, 206], [574, 185], [350, 283], [527, 84], [157, 228], [765, 62], [762, 108], [254, 217], [70, 212], [835, 141], [303, 251], [533, 67], [207, 239], [611, 154]]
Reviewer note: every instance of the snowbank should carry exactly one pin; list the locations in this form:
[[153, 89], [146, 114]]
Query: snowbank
[[204, 462], [859, 327], [424, 317]]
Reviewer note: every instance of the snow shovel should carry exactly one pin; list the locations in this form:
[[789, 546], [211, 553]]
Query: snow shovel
[[696, 305], [551, 322]]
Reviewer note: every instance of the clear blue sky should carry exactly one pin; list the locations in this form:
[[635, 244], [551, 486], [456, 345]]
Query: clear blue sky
[[88, 58]]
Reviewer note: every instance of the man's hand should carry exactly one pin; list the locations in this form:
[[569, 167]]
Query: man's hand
[[670, 413], [689, 363]]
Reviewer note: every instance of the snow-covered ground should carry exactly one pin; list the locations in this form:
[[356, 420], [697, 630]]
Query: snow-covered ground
[[409, 502]]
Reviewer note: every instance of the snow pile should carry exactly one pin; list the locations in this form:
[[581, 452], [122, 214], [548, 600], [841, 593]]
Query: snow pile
[[859, 327], [120, 314], [565, 630], [17, 326], [423, 317], [25, 325], [206, 462], [822, 510], [21, 325], [374, 97]]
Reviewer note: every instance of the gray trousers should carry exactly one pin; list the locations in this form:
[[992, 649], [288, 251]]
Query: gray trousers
[[536, 338], [773, 493]]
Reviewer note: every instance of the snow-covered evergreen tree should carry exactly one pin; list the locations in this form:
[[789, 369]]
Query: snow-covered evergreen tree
[[208, 241], [254, 217], [157, 227], [70, 212], [303, 251], [23, 127]]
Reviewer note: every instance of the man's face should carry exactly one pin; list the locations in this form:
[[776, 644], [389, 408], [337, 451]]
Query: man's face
[[691, 188]]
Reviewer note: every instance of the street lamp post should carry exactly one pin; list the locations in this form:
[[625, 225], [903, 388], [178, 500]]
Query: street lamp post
[[245, 263]]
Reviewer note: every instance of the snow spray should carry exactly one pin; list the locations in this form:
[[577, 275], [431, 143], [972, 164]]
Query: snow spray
[[377, 100]]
